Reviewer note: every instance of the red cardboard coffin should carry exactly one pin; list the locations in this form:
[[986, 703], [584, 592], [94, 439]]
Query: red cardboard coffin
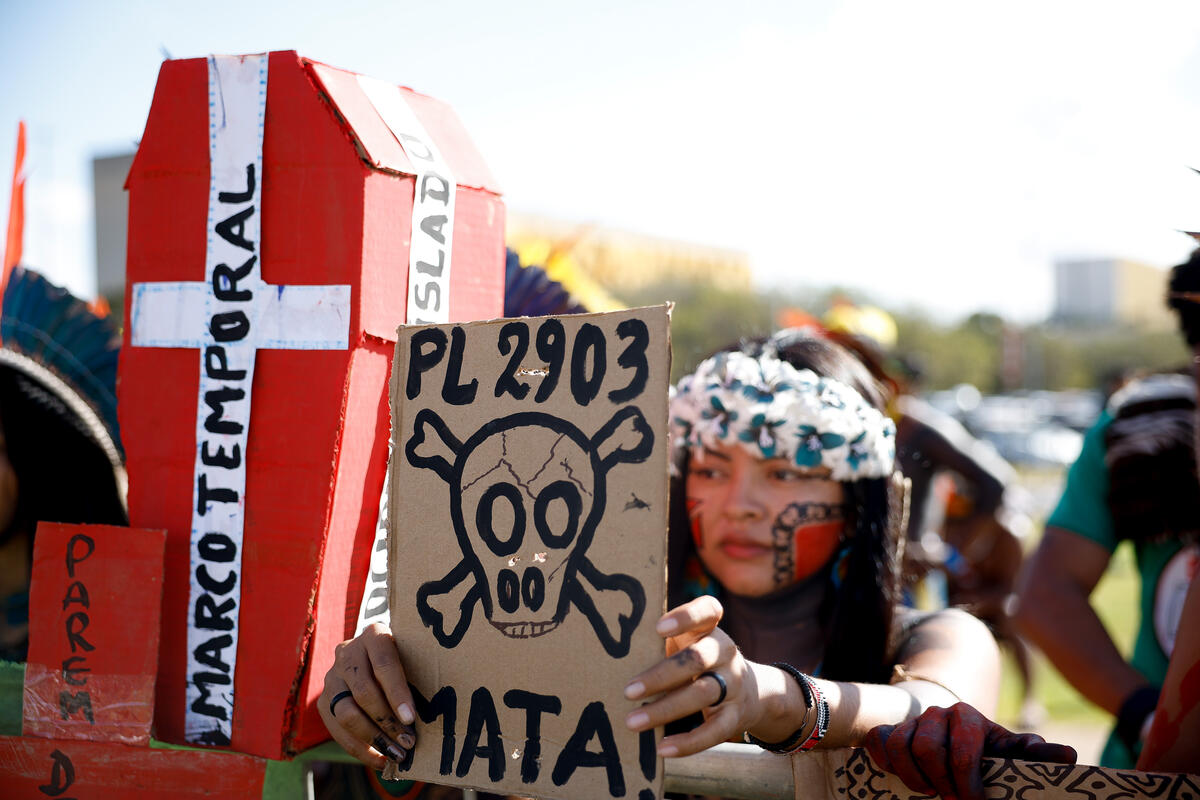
[[265, 287]]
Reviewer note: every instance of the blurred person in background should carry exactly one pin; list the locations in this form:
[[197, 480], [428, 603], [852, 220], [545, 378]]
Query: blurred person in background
[[60, 456], [984, 559], [1173, 743], [929, 443], [964, 525], [1135, 480]]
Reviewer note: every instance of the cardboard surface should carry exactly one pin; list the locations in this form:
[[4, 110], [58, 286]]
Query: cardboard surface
[[315, 448], [527, 544], [94, 610], [40, 768]]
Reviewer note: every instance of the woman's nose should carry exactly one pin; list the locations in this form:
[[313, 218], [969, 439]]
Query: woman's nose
[[743, 502]]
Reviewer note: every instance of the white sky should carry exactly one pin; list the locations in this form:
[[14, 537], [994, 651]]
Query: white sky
[[934, 152]]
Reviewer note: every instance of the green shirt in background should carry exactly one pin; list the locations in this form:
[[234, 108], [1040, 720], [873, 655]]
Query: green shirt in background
[[1162, 567]]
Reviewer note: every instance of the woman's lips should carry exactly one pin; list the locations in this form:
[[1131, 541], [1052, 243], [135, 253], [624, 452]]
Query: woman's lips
[[743, 549]]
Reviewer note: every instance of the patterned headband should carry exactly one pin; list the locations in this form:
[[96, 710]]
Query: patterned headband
[[774, 410]]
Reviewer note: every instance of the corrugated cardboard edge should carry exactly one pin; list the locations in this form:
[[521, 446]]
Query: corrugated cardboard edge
[[292, 711]]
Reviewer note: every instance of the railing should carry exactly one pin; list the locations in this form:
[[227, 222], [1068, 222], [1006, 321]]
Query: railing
[[745, 772]]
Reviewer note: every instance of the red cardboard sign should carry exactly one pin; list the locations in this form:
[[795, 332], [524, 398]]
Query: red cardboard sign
[[40, 768], [94, 609], [336, 210]]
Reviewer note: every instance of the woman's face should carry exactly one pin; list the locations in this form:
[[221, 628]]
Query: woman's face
[[760, 525]]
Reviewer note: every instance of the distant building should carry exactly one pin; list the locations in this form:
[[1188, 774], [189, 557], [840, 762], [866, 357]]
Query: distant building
[[112, 224], [1110, 291], [624, 261]]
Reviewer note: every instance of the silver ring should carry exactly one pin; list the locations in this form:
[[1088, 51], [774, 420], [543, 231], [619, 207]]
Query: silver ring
[[720, 682]]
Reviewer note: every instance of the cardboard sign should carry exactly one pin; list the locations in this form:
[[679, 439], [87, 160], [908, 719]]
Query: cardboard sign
[[527, 547], [94, 608], [66, 769], [269, 265]]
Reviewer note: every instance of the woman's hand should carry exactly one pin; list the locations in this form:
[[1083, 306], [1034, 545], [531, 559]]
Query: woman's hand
[[366, 703], [941, 751], [696, 652]]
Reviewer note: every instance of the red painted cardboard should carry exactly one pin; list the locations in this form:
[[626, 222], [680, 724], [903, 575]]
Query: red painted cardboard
[[40, 768], [316, 454], [94, 608]]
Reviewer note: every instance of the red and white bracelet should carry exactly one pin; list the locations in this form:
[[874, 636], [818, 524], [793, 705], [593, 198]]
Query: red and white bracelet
[[813, 699]]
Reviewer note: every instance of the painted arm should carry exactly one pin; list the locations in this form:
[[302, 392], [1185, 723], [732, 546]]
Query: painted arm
[[941, 440], [1174, 741], [951, 656], [1053, 612]]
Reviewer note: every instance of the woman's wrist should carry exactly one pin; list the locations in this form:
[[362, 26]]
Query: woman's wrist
[[779, 704], [795, 714]]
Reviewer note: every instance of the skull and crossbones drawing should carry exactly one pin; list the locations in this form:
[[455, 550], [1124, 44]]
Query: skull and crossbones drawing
[[526, 494]]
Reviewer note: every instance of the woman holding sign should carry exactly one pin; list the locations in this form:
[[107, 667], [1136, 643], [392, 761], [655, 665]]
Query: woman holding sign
[[783, 580], [787, 523]]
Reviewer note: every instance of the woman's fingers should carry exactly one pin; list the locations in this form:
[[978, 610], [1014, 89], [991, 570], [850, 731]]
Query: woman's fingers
[[688, 623], [694, 696], [941, 751], [361, 690], [352, 662], [968, 732], [929, 750], [900, 758], [719, 727], [1050, 752], [389, 675], [1028, 747], [875, 742], [682, 668], [361, 737]]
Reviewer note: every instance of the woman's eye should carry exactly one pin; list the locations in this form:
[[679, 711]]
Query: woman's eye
[[785, 475], [707, 473]]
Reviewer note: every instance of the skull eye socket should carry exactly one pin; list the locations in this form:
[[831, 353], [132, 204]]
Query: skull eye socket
[[557, 523], [487, 514]]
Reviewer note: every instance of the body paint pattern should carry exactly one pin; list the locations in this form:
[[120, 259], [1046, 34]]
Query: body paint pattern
[[796, 521], [1165, 734], [860, 779]]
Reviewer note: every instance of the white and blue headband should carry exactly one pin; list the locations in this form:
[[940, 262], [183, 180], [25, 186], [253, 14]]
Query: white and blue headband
[[774, 410]]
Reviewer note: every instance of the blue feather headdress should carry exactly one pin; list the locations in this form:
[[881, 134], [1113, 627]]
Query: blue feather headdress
[[52, 338]]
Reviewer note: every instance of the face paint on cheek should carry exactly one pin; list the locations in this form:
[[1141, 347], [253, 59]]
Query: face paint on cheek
[[805, 535], [793, 534], [784, 558]]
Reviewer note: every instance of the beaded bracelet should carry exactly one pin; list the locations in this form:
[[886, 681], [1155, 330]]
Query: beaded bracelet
[[813, 698]]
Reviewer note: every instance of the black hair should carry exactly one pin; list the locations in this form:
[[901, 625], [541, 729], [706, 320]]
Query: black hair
[[1151, 461], [63, 474], [1185, 277], [858, 610]]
